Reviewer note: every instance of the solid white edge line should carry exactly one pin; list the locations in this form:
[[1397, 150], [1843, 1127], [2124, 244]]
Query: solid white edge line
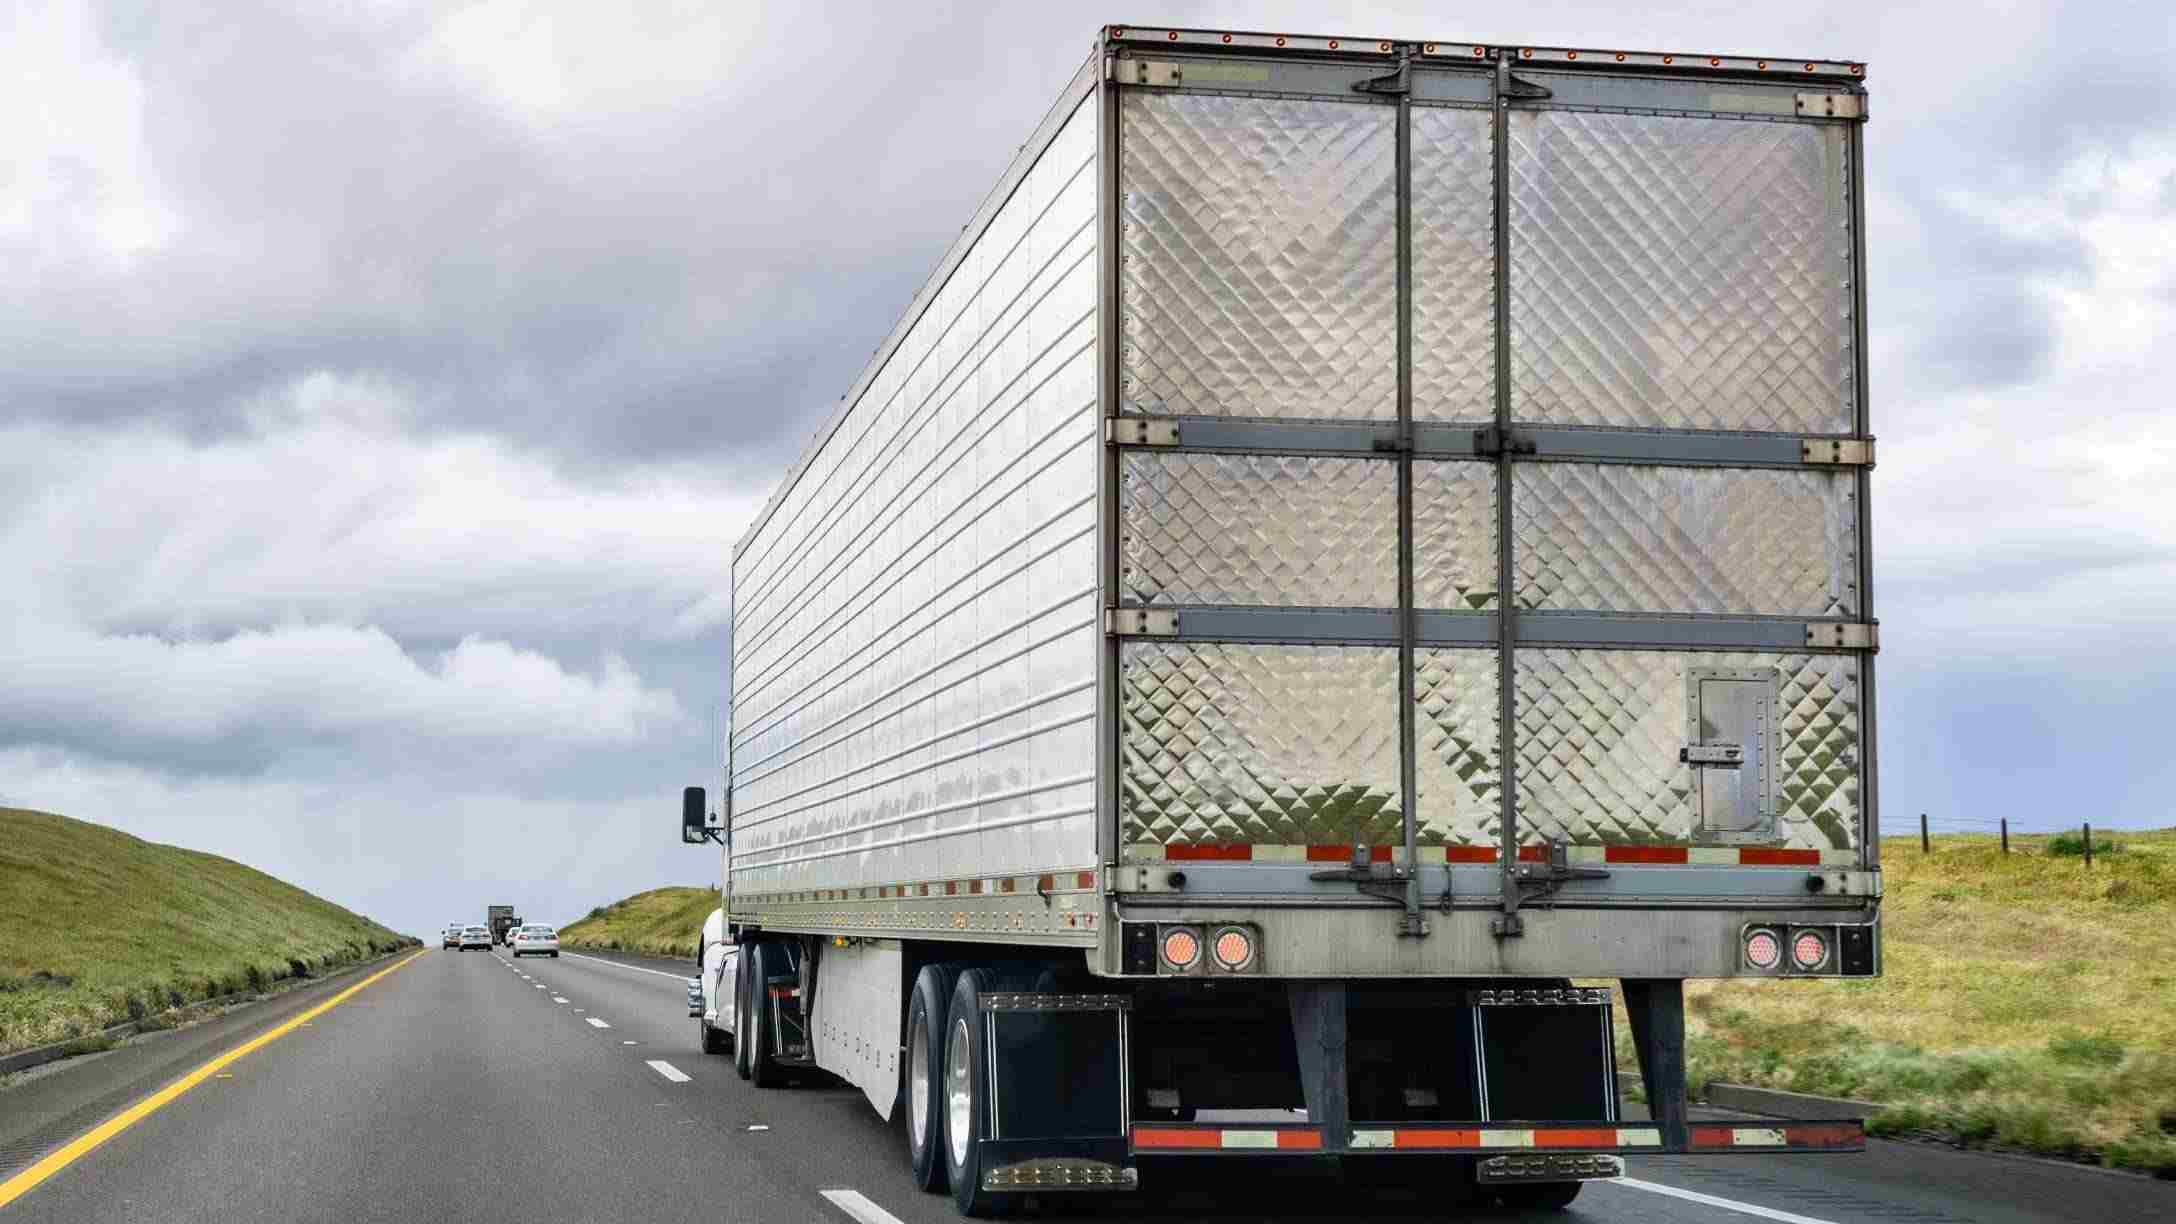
[[630, 968], [666, 1069], [1709, 1200], [857, 1205]]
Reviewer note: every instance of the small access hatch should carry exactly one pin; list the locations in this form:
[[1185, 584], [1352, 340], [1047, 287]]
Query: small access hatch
[[1731, 747]]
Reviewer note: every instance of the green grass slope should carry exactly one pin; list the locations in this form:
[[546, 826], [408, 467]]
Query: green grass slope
[[97, 927], [661, 922], [2027, 1001]]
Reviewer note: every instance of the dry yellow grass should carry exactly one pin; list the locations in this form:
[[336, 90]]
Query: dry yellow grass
[[2026, 1000]]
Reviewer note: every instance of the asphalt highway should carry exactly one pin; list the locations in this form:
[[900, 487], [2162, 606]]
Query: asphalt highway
[[460, 1087]]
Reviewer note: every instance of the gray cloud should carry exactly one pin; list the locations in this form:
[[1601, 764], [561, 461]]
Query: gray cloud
[[340, 342]]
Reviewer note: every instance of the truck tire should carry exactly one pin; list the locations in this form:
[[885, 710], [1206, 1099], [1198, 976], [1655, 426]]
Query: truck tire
[[924, 1093], [763, 1068], [711, 1038], [967, 1092], [1539, 1196], [740, 1012]]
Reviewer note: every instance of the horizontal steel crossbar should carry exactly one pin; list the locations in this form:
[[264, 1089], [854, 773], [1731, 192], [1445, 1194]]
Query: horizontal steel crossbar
[[1672, 447], [1368, 626]]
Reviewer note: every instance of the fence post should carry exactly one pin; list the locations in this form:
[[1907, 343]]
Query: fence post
[[2089, 843], [2005, 835], [1924, 847]]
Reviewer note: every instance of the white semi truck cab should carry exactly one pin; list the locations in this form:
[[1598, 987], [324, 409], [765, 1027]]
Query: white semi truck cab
[[1352, 572]]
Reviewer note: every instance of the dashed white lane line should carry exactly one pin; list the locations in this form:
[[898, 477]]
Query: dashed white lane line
[[857, 1205], [666, 1069], [681, 977], [1709, 1200], [594, 1022], [557, 999]]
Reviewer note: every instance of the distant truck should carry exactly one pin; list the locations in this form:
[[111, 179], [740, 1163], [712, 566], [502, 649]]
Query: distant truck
[[1354, 536], [501, 919]]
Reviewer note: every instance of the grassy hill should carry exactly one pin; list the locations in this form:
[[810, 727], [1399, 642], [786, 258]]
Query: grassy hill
[[2026, 1001], [662, 922], [97, 927]]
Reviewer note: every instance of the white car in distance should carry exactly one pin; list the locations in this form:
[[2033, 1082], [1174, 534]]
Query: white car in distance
[[475, 937], [534, 939]]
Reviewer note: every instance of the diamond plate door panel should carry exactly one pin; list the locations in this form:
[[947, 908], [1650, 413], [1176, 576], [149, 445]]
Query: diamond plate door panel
[[1458, 775], [1600, 731], [1259, 256], [1454, 264], [1279, 530], [1680, 272], [1454, 535], [1282, 745], [1631, 538]]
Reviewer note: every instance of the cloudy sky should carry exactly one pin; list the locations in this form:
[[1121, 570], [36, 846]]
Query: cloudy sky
[[383, 386]]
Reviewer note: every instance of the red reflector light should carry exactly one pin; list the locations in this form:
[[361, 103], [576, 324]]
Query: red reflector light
[[1763, 950]]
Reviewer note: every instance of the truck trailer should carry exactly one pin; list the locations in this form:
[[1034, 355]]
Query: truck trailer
[[501, 919], [1353, 570]]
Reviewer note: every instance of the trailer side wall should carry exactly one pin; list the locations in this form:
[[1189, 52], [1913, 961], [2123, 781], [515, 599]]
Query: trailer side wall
[[915, 634]]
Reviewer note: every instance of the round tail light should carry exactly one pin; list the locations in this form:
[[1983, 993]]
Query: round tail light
[[1763, 950], [1234, 948], [1181, 947], [1809, 950]]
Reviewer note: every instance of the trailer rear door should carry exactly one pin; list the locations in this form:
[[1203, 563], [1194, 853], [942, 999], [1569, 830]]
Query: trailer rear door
[[1489, 475]]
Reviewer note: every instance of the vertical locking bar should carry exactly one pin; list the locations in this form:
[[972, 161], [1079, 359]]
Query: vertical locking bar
[[1508, 923], [1415, 922], [1862, 487], [1110, 327]]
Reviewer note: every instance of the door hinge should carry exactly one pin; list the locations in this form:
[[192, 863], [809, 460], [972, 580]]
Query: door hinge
[[1844, 635], [1493, 440], [1140, 622], [1140, 431], [1832, 105], [1393, 84], [1160, 73], [1837, 452]]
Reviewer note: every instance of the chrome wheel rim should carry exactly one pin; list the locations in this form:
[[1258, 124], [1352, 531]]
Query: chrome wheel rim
[[959, 1107], [918, 1083]]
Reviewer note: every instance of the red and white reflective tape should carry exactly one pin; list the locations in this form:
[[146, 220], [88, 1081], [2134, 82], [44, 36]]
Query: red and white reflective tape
[[1226, 1138], [1841, 1135], [1702, 1137], [1681, 856], [1483, 1138]]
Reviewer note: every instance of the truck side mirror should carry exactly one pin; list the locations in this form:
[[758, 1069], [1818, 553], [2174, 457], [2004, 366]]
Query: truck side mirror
[[694, 821]]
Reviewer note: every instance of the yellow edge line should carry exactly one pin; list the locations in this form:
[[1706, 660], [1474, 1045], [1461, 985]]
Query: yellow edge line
[[27, 1180]]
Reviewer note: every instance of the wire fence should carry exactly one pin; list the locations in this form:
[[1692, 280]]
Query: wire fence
[[2001, 828]]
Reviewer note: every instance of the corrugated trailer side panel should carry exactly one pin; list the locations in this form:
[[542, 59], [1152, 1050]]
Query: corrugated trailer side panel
[[916, 636]]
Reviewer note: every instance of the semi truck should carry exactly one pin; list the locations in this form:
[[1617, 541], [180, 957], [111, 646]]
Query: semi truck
[[1349, 579], [501, 919]]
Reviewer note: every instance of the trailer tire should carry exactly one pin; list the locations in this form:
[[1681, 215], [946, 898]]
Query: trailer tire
[[925, 1059], [967, 1092], [1540, 1196]]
